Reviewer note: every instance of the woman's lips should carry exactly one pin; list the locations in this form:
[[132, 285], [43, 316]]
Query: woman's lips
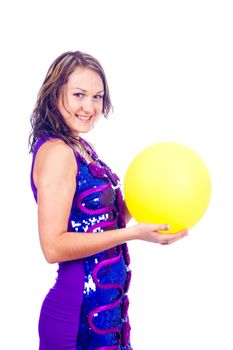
[[84, 119]]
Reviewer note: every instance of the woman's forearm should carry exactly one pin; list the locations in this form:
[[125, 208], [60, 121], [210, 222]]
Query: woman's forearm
[[72, 245]]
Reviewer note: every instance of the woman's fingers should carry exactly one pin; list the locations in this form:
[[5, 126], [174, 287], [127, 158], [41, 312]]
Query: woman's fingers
[[171, 238], [161, 227], [156, 233]]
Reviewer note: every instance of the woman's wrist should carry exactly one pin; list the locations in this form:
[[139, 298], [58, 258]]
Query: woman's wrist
[[132, 233]]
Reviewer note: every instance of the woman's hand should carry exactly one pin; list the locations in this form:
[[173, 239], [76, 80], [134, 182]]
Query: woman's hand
[[152, 233]]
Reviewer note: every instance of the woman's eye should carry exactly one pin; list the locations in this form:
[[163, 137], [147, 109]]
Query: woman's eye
[[98, 97], [79, 94]]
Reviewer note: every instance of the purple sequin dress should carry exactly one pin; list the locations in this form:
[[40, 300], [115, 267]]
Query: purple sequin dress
[[87, 308]]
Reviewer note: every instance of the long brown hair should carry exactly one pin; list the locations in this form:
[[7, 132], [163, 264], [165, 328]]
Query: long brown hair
[[46, 118]]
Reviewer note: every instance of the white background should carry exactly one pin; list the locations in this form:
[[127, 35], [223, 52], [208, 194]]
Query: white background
[[169, 66]]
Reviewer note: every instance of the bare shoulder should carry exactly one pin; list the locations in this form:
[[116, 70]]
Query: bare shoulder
[[55, 149], [55, 156]]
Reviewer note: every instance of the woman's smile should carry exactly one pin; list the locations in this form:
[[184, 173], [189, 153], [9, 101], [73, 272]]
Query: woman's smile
[[85, 119]]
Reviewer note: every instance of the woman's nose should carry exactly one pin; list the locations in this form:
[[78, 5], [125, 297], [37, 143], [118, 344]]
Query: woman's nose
[[87, 105]]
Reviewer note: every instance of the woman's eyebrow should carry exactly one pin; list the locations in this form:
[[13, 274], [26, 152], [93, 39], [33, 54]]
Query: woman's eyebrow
[[78, 88]]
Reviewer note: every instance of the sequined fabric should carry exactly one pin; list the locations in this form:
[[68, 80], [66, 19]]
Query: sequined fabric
[[103, 279]]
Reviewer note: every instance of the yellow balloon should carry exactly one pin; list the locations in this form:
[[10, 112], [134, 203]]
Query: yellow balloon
[[167, 183]]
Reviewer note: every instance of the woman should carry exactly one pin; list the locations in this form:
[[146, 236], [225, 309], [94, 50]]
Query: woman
[[81, 213]]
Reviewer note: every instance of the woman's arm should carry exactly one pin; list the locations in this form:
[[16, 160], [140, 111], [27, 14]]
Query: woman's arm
[[55, 178]]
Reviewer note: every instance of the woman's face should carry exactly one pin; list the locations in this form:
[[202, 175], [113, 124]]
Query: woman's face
[[81, 100]]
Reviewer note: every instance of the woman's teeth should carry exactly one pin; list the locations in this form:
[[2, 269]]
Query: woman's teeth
[[85, 119]]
